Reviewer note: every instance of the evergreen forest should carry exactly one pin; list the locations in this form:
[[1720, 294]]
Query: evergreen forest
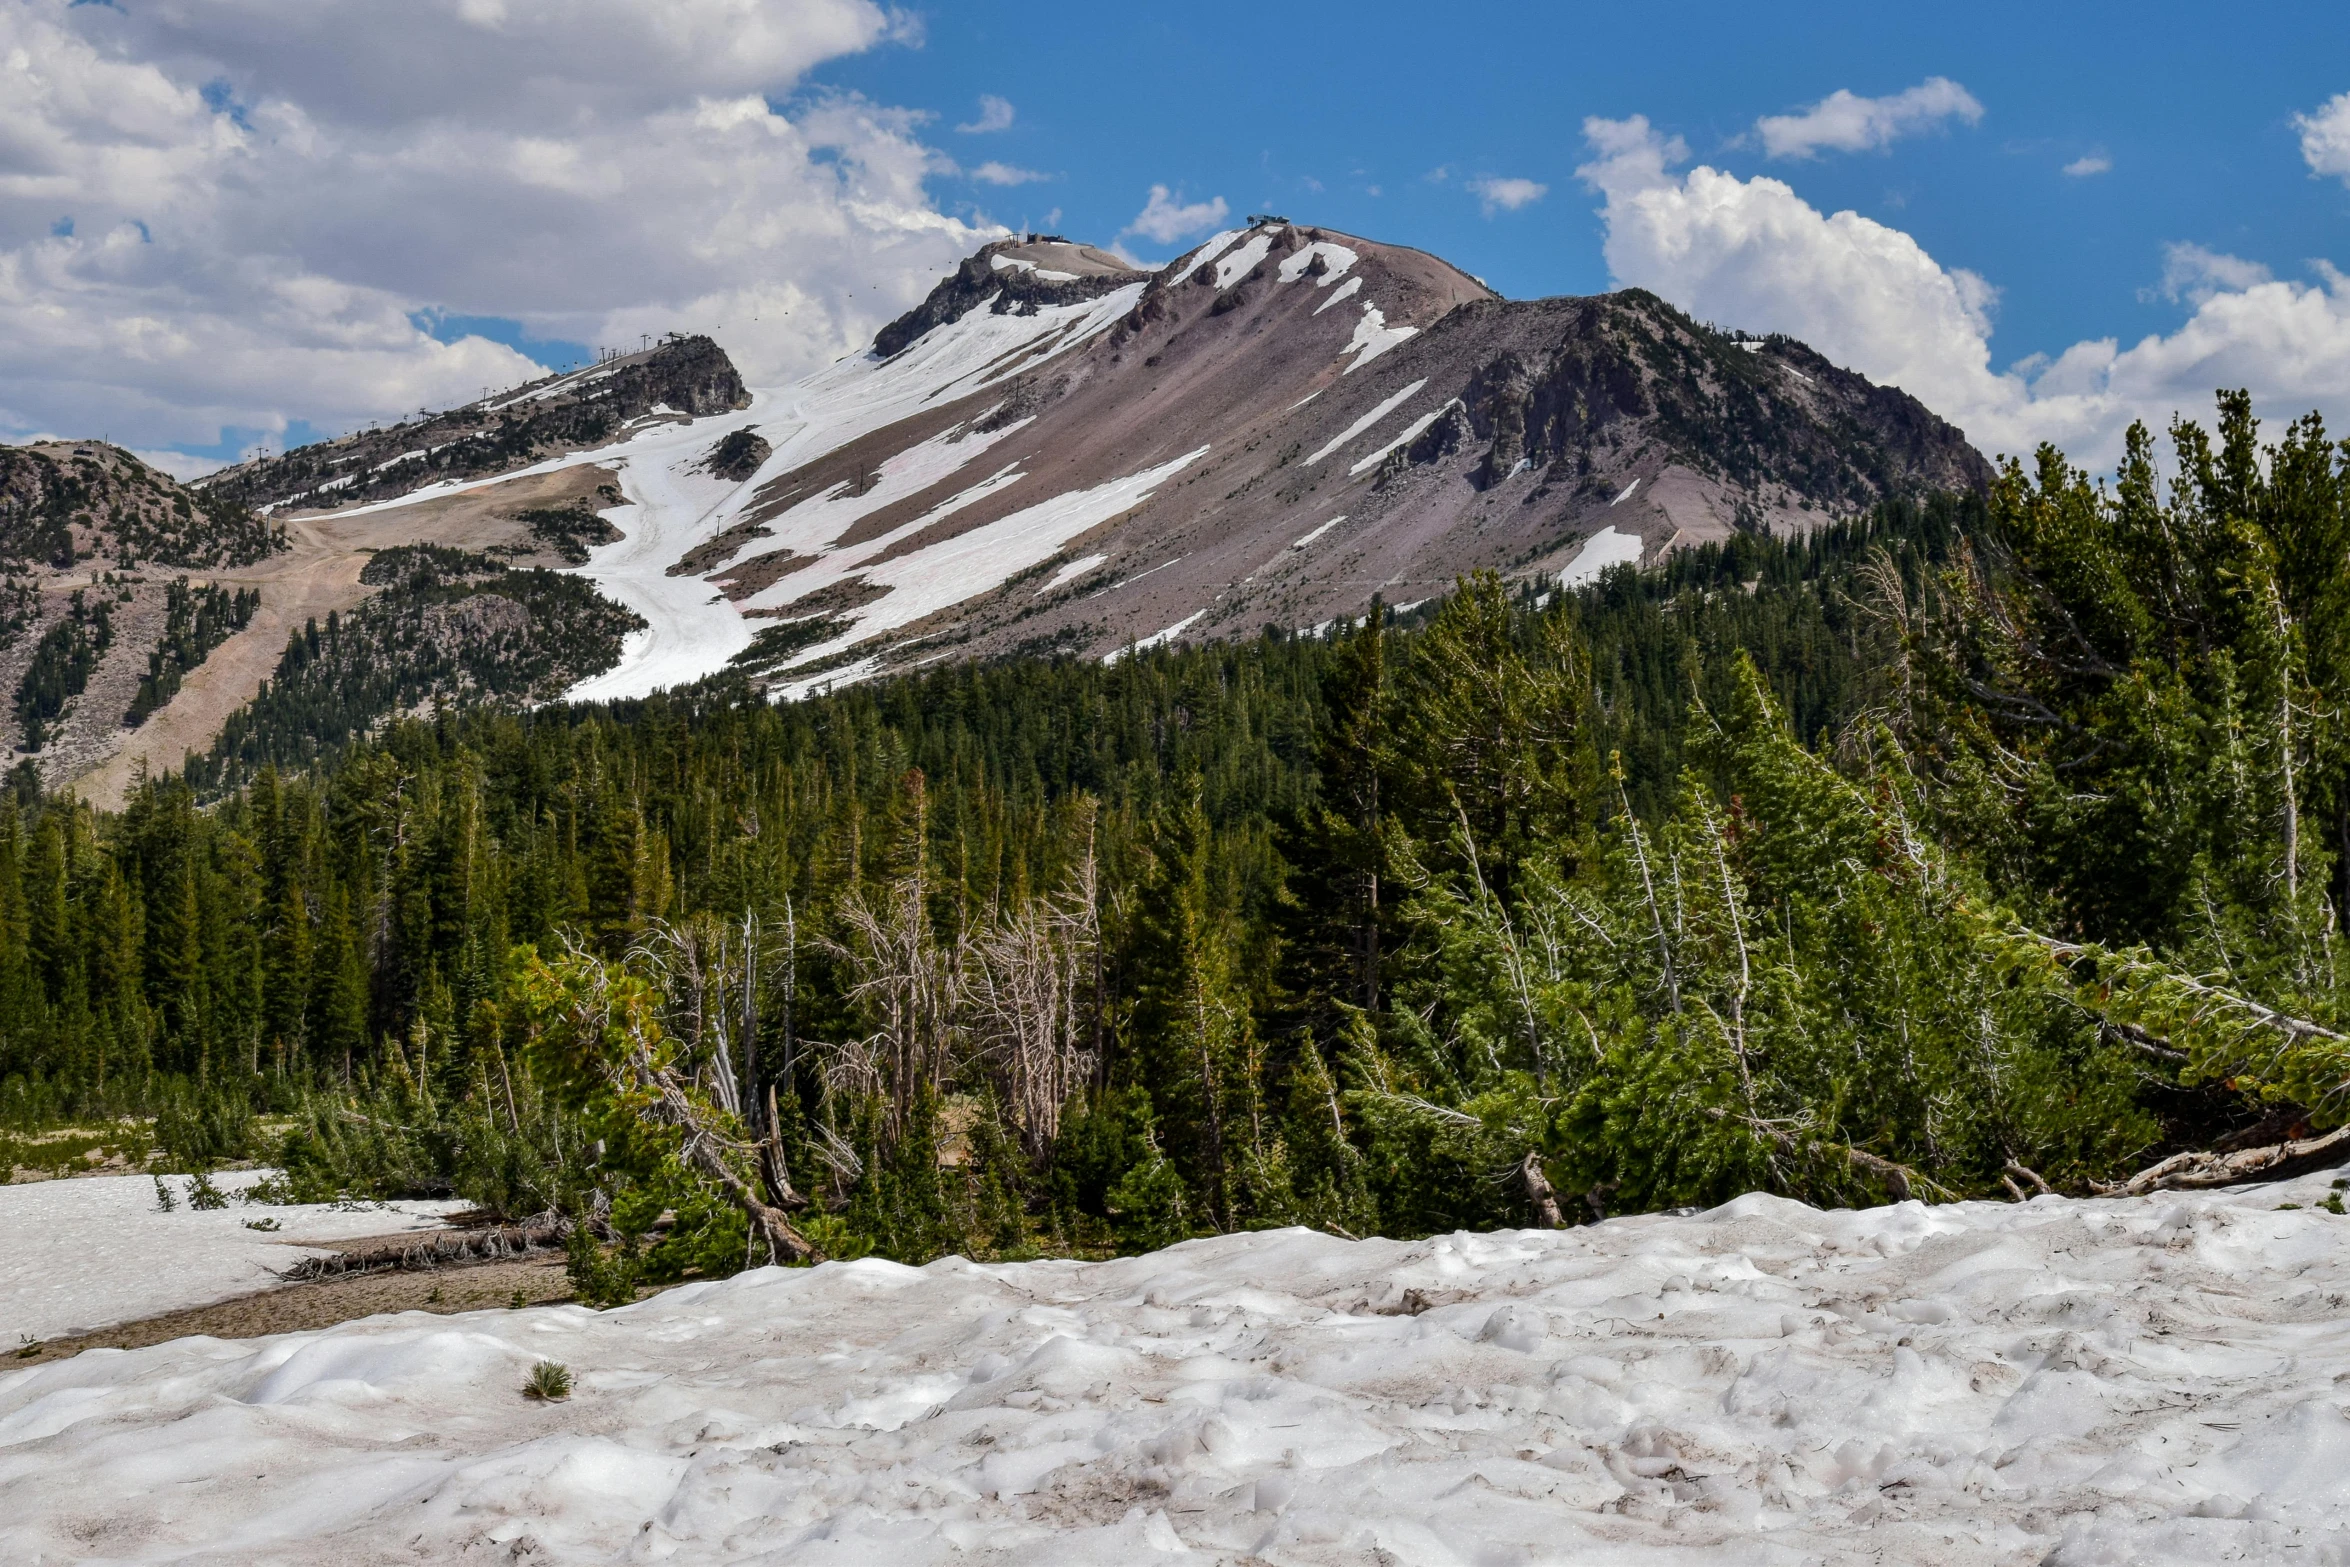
[[1979, 846]]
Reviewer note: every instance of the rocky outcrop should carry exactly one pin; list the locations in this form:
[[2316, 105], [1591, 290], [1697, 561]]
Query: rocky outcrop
[[1011, 277], [679, 378]]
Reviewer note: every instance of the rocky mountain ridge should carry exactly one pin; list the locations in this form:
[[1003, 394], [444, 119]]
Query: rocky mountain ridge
[[680, 378]]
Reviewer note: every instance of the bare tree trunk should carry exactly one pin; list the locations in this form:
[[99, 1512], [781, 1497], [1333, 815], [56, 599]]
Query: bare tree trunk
[[1539, 1190]]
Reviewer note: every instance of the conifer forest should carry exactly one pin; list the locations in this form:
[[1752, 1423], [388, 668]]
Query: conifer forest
[[1978, 846]]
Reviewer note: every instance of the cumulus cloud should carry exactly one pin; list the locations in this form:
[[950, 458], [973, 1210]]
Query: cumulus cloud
[[230, 214], [995, 114], [2089, 163], [1752, 253], [1166, 218], [2191, 272], [1846, 122], [1506, 195], [2325, 137], [994, 173]]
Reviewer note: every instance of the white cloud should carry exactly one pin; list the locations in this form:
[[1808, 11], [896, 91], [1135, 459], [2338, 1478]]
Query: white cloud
[[1845, 122], [2089, 163], [1754, 254], [2325, 137], [995, 114], [2193, 273], [994, 173], [1506, 195], [265, 195], [1166, 218]]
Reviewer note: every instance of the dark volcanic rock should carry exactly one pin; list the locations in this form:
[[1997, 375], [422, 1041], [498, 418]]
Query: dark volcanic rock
[[1032, 274], [738, 455]]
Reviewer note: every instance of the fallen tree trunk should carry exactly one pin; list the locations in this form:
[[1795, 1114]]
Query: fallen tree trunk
[[435, 1249], [2198, 1170]]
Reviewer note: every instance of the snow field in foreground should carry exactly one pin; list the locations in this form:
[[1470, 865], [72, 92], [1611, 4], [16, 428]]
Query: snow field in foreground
[[95, 1250], [2147, 1381]]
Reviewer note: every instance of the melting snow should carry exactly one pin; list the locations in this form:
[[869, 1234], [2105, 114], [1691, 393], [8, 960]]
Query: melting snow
[[1210, 248], [1336, 258], [2150, 1381], [1156, 638], [1372, 337], [1231, 268], [1301, 543], [1627, 495], [1366, 421], [1408, 433], [94, 1251], [1071, 572], [1345, 290], [1602, 550], [928, 580]]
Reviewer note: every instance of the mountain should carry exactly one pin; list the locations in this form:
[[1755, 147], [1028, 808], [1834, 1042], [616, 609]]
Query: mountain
[[1055, 452], [682, 378], [64, 502]]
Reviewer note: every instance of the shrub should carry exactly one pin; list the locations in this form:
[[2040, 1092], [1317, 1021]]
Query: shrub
[[549, 1382]]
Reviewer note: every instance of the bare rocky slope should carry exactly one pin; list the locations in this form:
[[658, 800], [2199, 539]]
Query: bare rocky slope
[[1305, 419]]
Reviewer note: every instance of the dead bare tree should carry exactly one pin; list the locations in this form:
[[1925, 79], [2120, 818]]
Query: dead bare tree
[[1022, 991], [625, 1042]]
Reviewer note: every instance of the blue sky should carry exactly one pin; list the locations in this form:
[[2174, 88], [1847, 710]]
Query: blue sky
[[229, 227], [1262, 103]]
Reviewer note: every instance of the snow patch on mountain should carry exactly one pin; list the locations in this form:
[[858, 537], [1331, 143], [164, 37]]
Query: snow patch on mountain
[[1337, 259], [1373, 337], [1071, 572], [1602, 550], [1345, 290], [1385, 407], [1408, 434], [1301, 543], [1231, 268], [674, 503], [923, 581], [1158, 638]]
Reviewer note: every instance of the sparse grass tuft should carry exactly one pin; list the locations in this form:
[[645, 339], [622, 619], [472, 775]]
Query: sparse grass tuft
[[550, 1382]]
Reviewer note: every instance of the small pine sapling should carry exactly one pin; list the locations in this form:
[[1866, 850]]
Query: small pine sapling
[[549, 1383], [166, 1200]]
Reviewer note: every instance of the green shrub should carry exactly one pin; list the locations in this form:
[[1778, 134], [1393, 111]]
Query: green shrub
[[549, 1382]]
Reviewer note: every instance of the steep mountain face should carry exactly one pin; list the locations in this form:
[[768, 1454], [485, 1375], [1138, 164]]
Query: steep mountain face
[[682, 378]]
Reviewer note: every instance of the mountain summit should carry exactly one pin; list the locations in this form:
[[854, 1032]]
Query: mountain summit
[[1055, 452]]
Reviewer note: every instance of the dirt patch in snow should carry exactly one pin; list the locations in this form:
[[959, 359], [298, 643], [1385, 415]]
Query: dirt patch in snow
[[302, 1308]]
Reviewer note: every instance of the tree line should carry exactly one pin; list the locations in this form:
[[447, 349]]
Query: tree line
[[1973, 847]]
